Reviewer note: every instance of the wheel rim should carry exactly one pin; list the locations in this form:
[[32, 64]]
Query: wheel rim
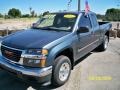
[[64, 71], [106, 43]]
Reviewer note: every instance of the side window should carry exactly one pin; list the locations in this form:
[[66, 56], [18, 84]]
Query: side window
[[94, 20], [85, 22]]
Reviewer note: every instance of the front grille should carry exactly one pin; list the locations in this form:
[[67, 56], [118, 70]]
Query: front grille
[[10, 53]]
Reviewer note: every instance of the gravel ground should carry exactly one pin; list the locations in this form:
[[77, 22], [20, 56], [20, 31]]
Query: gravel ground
[[96, 71], [17, 24]]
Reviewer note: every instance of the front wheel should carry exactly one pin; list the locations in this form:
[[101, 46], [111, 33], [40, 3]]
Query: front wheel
[[61, 70]]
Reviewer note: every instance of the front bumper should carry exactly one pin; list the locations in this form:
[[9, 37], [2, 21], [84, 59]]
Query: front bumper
[[40, 75]]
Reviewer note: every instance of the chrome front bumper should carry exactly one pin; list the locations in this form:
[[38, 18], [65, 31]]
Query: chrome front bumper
[[20, 70]]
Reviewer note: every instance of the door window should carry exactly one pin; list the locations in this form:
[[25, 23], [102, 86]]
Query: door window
[[85, 21]]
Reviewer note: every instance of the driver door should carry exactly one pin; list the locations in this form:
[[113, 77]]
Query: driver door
[[84, 41]]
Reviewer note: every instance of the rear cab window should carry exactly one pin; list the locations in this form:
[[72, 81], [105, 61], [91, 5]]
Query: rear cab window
[[94, 20]]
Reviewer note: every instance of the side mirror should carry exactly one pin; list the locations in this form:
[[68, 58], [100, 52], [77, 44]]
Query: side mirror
[[83, 30]]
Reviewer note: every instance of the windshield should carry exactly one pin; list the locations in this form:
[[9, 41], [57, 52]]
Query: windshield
[[58, 21]]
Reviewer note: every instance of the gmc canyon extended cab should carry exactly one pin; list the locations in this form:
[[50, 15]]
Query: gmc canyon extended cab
[[49, 49]]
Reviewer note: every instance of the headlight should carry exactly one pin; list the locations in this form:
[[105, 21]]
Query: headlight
[[37, 51], [34, 58], [34, 51]]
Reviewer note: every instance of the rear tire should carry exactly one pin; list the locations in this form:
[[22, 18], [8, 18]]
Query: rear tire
[[104, 44], [61, 71]]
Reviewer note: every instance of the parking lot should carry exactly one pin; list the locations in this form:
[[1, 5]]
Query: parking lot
[[96, 71]]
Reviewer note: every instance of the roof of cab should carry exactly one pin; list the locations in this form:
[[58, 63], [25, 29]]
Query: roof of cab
[[74, 12]]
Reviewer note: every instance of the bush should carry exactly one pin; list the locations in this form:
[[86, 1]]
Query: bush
[[26, 16], [7, 17], [99, 16]]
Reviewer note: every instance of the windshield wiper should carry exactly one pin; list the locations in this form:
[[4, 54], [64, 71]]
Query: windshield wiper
[[49, 29], [43, 28]]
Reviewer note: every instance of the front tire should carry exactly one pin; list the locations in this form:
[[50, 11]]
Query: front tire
[[61, 71]]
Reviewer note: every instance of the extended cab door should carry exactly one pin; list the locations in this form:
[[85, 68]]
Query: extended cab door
[[85, 40], [96, 29]]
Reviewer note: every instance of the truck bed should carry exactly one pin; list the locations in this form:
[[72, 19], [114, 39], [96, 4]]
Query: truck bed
[[101, 23], [105, 25]]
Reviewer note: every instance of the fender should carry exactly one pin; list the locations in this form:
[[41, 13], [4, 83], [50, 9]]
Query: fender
[[58, 49]]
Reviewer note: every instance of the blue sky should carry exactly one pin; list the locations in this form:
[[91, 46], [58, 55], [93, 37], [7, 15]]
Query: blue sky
[[98, 6]]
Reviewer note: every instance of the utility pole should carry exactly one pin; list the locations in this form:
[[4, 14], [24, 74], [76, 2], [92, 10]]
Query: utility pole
[[79, 6], [69, 5]]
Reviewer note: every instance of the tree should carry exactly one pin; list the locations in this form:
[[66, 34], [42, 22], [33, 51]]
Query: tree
[[33, 13], [40, 16], [101, 17], [26, 16], [45, 13], [14, 13], [30, 9], [1, 16], [113, 14]]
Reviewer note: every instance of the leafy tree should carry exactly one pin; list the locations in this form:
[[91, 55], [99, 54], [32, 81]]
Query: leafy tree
[[14, 13], [1, 15], [113, 14], [45, 13]]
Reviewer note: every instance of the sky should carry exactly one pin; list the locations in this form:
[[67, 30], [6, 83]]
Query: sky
[[40, 6]]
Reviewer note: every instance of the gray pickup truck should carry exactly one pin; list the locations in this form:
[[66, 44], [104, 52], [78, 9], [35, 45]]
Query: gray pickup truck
[[49, 49]]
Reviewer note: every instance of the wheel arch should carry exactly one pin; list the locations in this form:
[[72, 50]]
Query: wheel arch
[[108, 34], [67, 52]]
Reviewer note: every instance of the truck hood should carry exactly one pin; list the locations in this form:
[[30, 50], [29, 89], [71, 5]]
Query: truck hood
[[33, 39]]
